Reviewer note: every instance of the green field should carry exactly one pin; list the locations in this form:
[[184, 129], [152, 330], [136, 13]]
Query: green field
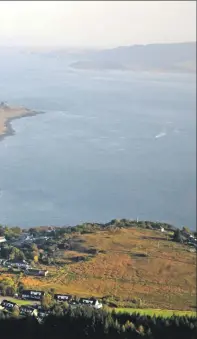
[[157, 312], [18, 301]]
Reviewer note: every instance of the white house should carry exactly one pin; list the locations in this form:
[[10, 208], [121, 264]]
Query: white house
[[91, 302], [28, 310], [97, 304], [2, 239]]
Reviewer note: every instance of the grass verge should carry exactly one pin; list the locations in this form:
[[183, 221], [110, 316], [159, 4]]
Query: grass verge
[[19, 301], [157, 312]]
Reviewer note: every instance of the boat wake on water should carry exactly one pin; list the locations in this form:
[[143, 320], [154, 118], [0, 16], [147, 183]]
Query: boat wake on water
[[160, 135], [168, 129]]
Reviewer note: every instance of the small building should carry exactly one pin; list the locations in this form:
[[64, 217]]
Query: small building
[[2, 240], [51, 229], [43, 313], [8, 305], [3, 262], [97, 304], [40, 238], [28, 311], [32, 295], [17, 264], [24, 238], [35, 272], [90, 302], [63, 297]]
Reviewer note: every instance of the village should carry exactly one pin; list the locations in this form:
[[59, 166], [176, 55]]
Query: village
[[35, 307], [22, 250], [36, 251]]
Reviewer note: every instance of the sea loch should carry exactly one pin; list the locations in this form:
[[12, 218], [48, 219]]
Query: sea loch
[[95, 154]]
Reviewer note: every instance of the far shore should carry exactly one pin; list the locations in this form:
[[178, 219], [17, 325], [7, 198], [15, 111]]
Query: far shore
[[8, 114]]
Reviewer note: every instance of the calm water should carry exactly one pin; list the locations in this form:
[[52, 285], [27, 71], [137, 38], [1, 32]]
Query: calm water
[[110, 145]]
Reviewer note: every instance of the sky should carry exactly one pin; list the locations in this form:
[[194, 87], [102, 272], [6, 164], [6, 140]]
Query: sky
[[96, 23]]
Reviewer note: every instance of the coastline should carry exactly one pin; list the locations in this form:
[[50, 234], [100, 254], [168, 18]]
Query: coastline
[[9, 130]]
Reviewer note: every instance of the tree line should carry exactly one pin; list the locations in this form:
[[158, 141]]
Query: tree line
[[96, 324]]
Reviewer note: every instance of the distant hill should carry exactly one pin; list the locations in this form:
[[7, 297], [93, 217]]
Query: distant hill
[[174, 57]]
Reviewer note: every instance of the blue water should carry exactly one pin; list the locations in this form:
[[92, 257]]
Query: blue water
[[110, 145]]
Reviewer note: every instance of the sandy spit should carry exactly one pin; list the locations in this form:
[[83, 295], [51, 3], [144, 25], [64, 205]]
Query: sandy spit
[[8, 114]]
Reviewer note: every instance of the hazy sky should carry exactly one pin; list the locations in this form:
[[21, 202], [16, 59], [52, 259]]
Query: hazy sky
[[96, 23]]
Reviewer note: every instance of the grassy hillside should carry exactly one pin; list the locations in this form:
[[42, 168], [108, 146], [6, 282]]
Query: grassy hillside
[[137, 268]]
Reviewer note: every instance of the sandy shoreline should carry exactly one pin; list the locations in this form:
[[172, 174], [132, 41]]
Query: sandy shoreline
[[8, 115]]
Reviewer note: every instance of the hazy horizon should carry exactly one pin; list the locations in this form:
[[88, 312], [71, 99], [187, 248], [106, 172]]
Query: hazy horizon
[[86, 48], [91, 24]]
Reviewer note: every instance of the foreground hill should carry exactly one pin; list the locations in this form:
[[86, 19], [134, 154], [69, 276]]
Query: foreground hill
[[129, 267], [174, 57]]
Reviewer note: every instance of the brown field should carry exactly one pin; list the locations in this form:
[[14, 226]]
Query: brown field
[[165, 277]]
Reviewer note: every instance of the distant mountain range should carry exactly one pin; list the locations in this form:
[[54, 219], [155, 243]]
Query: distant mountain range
[[174, 57]]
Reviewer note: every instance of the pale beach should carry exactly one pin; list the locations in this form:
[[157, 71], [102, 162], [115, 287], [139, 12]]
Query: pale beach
[[8, 113]]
